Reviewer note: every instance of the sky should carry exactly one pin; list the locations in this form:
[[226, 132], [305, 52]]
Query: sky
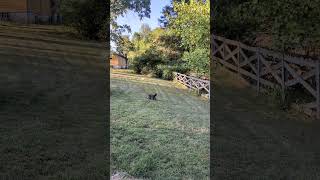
[[133, 20]]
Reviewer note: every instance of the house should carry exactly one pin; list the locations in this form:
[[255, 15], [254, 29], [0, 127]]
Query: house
[[118, 61], [30, 11]]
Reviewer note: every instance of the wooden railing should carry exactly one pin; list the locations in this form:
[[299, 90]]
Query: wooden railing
[[266, 68], [4, 16], [194, 83]]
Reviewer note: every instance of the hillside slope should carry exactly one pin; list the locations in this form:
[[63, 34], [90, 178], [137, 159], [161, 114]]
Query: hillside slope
[[52, 104], [163, 139], [255, 140]]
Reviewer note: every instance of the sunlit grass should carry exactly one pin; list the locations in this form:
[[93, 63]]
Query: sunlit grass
[[163, 139]]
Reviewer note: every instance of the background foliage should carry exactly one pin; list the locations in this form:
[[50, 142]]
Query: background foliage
[[91, 17], [288, 25], [88, 17], [181, 44]]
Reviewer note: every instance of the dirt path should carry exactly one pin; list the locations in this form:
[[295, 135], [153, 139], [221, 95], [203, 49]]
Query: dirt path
[[254, 140]]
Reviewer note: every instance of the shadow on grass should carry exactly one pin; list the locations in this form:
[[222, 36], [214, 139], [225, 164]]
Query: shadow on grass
[[254, 139]]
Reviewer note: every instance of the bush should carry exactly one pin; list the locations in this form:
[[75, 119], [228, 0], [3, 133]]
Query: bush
[[156, 73], [137, 65], [167, 70], [147, 62], [167, 74], [180, 68], [145, 70], [198, 60]]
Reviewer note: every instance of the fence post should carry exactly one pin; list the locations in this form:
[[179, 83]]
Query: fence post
[[223, 49], [318, 89], [238, 59], [214, 60], [283, 79], [209, 93], [258, 69]]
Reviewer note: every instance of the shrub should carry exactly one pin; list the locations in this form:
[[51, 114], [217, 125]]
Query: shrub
[[167, 74], [198, 60], [181, 68], [137, 65], [167, 70], [145, 70], [147, 62], [156, 73]]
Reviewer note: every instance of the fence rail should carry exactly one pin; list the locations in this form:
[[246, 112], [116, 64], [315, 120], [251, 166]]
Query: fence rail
[[193, 83], [264, 67]]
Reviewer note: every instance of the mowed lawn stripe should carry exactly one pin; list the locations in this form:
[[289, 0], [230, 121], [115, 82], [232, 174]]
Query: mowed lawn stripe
[[158, 139], [52, 112]]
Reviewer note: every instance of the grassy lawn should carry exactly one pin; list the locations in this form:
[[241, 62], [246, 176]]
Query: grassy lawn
[[52, 104], [163, 139], [256, 140]]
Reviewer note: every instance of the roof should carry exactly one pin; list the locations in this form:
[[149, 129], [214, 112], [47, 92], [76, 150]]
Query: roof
[[117, 55]]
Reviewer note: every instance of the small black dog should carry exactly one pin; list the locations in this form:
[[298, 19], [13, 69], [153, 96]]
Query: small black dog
[[152, 96]]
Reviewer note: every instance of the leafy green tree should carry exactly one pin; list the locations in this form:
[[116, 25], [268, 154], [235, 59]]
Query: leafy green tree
[[124, 45], [159, 40], [88, 17], [119, 8], [184, 41], [168, 11], [292, 25], [170, 46], [145, 30], [192, 25], [147, 61], [197, 60]]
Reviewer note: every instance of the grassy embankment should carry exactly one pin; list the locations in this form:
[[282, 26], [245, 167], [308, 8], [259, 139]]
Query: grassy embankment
[[254, 139], [52, 105]]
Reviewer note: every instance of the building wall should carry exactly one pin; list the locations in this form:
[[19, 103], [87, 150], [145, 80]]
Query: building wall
[[39, 10], [118, 62], [45, 8], [13, 6]]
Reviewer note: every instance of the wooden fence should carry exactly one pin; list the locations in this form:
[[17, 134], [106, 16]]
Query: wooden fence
[[266, 68], [4, 16], [193, 83]]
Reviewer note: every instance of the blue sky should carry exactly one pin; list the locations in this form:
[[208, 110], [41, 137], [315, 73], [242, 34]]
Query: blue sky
[[133, 19]]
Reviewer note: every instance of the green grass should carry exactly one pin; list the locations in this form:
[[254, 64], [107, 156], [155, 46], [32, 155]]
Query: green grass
[[52, 105], [254, 139], [163, 139]]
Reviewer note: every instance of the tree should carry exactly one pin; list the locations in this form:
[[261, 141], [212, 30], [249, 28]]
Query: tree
[[293, 25], [192, 25], [119, 8], [124, 45], [167, 12], [145, 30], [88, 17]]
